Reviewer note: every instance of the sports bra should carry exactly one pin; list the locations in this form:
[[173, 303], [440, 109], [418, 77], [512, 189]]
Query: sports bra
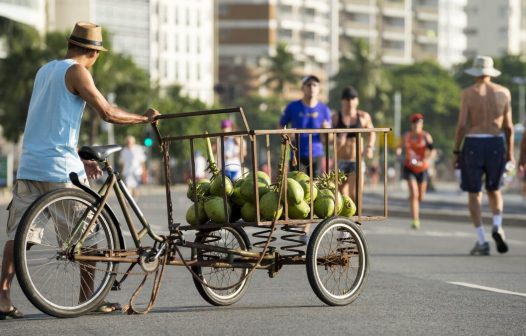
[[340, 124]]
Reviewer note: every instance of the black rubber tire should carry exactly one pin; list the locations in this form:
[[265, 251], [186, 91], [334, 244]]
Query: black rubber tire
[[214, 296], [43, 214], [327, 245]]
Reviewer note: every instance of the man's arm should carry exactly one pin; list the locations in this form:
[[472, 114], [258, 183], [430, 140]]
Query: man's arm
[[80, 81], [430, 152], [461, 127], [507, 127], [522, 155], [369, 149]]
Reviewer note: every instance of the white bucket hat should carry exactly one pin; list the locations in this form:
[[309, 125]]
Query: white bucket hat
[[482, 66]]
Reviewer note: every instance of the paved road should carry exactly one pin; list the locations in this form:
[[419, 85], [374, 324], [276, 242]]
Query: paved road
[[420, 283]]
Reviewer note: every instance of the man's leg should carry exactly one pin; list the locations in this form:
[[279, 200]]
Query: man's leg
[[474, 204], [496, 205], [8, 272], [412, 186]]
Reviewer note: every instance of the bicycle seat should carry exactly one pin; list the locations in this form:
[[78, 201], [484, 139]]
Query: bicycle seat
[[98, 153]]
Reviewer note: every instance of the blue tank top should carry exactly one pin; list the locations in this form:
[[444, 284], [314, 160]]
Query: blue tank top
[[49, 148]]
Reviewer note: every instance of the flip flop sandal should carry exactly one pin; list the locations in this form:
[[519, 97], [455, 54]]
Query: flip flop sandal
[[12, 314], [108, 307]]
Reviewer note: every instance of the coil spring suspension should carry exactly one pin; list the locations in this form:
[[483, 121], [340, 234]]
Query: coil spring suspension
[[296, 237], [262, 237]]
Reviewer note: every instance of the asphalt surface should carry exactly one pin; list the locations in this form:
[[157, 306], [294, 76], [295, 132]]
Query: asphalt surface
[[446, 203], [420, 283]]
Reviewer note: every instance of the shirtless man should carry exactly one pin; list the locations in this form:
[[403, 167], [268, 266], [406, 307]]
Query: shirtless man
[[352, 118], [485, 114]]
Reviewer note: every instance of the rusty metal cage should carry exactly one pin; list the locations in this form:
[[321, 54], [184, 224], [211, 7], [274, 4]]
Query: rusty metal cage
[[259, 144]]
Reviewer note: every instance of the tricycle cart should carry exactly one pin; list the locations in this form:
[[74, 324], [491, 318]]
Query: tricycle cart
[[69, 244]]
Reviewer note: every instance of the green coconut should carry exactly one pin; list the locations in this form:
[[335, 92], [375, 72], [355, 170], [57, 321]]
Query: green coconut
[[215, 209], [324, 205], [248, 212], [340, 203], [201, 217], [247, 188], [269, 206], [305, 185], [349, 208], [299, 211], [298, 176], [239, 182], [236, 197], [294, 191], [216, 186], [202, 188]]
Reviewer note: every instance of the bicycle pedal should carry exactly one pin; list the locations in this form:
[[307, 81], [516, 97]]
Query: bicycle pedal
[[116, 286]]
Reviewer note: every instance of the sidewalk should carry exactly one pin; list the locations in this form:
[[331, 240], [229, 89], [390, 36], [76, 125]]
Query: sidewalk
[[446, 203]]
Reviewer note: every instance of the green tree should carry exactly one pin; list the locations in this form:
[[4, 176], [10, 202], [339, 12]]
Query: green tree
[[17, 70], [429, 89], [281, 70], [368, 76]]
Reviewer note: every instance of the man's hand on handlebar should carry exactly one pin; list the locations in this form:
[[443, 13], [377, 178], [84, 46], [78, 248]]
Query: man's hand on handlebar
[[151, 114]]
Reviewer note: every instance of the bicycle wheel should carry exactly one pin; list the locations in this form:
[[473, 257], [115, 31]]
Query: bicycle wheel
[[219, 276], [44, 254], [337, 261]]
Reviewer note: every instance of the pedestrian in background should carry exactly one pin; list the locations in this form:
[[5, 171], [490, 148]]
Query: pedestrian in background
[[200, 165], [349, 117], [522, 164], [417, 145], [234, 151], [133, 161], [308, 113], [49, 149], [485, 114]]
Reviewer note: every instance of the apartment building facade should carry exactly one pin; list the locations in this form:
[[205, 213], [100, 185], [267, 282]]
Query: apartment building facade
[[494, 27], [172, 40], [250, 30], [30, 12], [405, 31]]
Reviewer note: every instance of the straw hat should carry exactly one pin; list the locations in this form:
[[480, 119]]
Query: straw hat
[[87, 35], [482, 66]]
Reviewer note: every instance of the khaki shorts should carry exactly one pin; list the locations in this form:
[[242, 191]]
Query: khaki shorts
[[25, 192]]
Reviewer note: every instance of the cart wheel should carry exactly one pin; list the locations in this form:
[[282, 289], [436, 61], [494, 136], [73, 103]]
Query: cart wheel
[[231, 238], [337, 261]]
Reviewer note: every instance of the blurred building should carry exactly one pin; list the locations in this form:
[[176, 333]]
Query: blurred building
[[173, 40], [30, 12], [405, 31], [494, 27], [249, 32]]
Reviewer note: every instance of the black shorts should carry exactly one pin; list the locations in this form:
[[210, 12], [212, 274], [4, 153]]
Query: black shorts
[[482, 158], [349, 167], [408, 174]]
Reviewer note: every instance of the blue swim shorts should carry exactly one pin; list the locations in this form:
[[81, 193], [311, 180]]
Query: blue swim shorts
[[482, 158]]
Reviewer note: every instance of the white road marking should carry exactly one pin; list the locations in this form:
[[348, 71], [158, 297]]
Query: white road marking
[[490, 289]]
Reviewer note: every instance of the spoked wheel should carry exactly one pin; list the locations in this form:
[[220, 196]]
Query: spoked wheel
[[337, 261], [45, 244], [221, 277]]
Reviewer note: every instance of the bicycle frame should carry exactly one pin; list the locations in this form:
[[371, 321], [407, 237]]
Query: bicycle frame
[[114, 182]]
